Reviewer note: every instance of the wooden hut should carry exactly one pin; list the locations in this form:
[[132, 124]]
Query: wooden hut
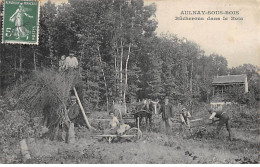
[[222, 83]]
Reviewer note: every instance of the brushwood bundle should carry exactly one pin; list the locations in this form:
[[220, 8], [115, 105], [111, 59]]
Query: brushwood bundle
[[47, 92]]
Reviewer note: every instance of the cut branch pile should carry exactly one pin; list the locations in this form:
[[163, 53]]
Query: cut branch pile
[[47, 93]]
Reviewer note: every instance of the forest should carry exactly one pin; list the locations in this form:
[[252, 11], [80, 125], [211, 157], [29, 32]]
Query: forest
[[120, 54]]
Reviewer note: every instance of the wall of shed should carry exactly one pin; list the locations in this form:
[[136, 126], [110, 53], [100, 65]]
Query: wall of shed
[[246, 85]]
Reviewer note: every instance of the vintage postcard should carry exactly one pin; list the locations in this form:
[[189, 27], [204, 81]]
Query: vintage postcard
[[129, 82], [21, 22]]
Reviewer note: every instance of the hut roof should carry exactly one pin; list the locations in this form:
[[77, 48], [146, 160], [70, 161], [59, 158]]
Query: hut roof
[[229, 79]]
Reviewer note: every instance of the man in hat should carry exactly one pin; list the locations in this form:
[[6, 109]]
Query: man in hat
[[223, 119], [73, 110], [71, 61], [167, 113]]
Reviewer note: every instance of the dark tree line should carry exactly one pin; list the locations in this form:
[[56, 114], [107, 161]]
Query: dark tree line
[[120, 55]]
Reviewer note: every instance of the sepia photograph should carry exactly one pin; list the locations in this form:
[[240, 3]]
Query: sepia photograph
[[129, 82]]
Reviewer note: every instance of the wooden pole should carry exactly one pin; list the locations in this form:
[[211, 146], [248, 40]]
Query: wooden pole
[[194, 120], [82, 109]]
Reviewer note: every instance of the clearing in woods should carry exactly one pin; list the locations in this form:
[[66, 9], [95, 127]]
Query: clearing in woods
[[153, 147]]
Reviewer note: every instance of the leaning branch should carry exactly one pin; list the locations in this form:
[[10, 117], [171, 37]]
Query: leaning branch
[[82, 109]]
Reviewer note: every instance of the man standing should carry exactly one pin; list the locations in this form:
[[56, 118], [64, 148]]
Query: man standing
[[68, 133], [74, 109], [62, 63], [71, 61], [223, 119], [167, 113], [145, 106], [185, 115]]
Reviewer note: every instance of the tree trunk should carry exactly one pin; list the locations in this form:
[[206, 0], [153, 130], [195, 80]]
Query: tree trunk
[[34, 59], [1, 62], [121, 56], [191, 76], [104, 77], [126, 67], [121, 69], [50, 49], [15, 67], [20, 68], [116, 72]]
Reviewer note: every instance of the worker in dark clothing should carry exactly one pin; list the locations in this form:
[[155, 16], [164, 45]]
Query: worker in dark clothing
[[223, 119], [74, 109], [167, 113], [145, 106], [73, 112], [185, 117]]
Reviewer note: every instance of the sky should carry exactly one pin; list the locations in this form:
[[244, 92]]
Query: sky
[[237, 40]]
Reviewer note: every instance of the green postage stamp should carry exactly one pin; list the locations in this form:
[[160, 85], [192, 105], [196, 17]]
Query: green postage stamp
[[21, 21]]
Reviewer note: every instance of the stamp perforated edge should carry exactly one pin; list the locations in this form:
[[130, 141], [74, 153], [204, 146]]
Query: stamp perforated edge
[[38, 26]]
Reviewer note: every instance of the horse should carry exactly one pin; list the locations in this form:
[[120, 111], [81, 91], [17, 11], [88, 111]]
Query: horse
[[146, 110]]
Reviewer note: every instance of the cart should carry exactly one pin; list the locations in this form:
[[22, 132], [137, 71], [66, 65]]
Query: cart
[[132, 134]]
